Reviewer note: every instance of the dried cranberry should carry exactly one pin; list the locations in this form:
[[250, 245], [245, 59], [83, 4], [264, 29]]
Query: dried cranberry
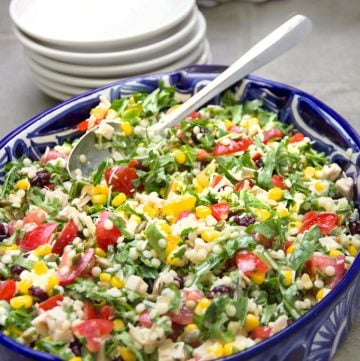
[[4, 231], [75, 347], [354, 226], [16, 270], [223, 290], [38, 293], [259, 162], [244, 220], [180, 280], [41, 179]]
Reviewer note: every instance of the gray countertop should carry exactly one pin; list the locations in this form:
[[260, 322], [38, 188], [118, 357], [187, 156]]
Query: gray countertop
[[326, 65]]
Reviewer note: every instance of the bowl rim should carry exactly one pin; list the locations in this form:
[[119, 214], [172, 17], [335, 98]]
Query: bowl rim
[[320, 307]]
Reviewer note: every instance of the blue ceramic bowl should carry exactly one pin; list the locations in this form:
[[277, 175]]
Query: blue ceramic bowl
[[315, 336]]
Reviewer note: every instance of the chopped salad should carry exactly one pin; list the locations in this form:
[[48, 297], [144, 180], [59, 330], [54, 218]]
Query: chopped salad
[[193, 245]]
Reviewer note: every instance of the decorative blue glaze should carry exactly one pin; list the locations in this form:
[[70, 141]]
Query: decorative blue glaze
[[316, 335]]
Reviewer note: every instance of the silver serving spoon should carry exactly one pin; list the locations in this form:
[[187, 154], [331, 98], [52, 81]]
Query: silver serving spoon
[[273, 45]]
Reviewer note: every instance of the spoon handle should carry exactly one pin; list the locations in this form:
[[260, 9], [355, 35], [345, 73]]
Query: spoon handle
[[276, 43]]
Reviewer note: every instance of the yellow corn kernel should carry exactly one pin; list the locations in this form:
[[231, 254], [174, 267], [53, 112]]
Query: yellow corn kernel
[[134, 218], [40, 268], [175, 207], [275, 193], [172, 242], [228, 348], [306, 281], [283, 213], [23, 184], [98, 113], [21, 301], [198, 188], [203, 180], [216, 349], [289, 276], [251, 322], [296, 224], [290, 249], [262, 215], [295, 208], [257, 277], [12, 247], [105, 277], [164, 227], [173, 261], [309, 172], [180, 157], [202, 305], [150, 211], [228, 123], [191, 327], [208, 234], [52, 282], [98, 199], [352, 250], [102, 189], [23, 286], [117, 282], [76, 359], [335, 252], [126, 354], [100, 252], [319, 186], [202, 211], [118, 325], [118, 200], [43, 250], [320, 294], [127, 128]]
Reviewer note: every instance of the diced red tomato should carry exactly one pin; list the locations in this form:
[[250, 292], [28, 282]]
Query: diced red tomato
[[192, 295], [325, 221], [220, 211], [145, 320], [89, 311], [133, 163], [106, 312], [248, 262], [202, 155], [216, 180], [261, 332], [278, 181], [234, 146], [93, 331], [66, 236], [309, 216], [183, 317], [38, 236], [51, 302], [52, 154], [319, 262], [120, 178], [68, 275], [256, 156], [183, 214], [194, 115], [297, 137], [272, 133], [235, 129], [38, 218], [83, 126], [7, 290], [105, 237]]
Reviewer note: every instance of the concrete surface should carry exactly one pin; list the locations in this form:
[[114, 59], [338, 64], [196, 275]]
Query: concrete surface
[[326, 65]]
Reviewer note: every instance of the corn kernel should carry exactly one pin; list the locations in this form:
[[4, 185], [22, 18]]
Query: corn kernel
[[191, 327], [216, 349], [319, 186], [257, 277], [100, 252], [251, 322], [289, 277], [23, 184], [21, 301], [352, 250], [283, 213], [117, 282], [203, 180], [118, 200], [309, 172], [126, 354], [52, 282], [320, 294], [134, 218], [172, 242], [262, 215], [208, 234], [118, 325], [335, 252], [98, 199], [290, 249], [150, 211], [98, 112], [127, 128], [202, 211], [43, 250], [275, 193], [202, 305], [40, 268], [173, 261], [165, 228], [228, 348], [23, 286], [228, 124], [102, 189], [76, 359], [307, 283], [105, 277], [180, 157]]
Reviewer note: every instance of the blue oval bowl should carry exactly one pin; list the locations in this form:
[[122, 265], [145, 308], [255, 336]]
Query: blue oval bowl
[[316, 335]]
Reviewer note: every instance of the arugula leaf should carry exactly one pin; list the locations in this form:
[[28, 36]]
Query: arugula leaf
[[20, 319], [265, 174], [120, 224], [267, 228], [96, 176], [57, 348], [288, 299], [251, 201]]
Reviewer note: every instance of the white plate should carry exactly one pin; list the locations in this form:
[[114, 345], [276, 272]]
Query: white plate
[[96, 23], [172, 54], [115, 57], [63, 91]]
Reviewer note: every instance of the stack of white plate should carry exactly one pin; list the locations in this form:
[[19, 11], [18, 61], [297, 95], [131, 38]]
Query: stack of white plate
[[75, 45]]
